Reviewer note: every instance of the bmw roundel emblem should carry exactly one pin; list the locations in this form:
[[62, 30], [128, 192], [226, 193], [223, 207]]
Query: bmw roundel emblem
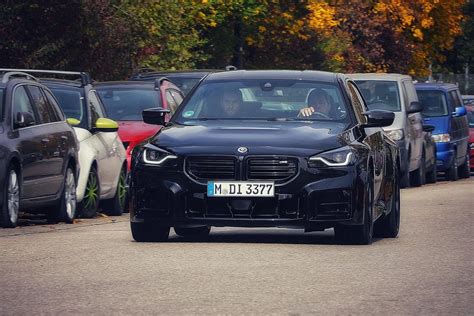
[[242, 150]]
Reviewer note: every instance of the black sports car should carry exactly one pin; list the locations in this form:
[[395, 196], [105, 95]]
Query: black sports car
[[268, 149]]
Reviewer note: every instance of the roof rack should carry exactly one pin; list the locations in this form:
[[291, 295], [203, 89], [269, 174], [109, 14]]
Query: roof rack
[[85, 77], [8, 74]]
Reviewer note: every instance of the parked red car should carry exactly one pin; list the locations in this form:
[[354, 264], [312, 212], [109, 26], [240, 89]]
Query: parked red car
[[124, 102]]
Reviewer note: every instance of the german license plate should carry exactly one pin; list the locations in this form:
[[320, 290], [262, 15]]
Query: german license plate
[[223, 188]]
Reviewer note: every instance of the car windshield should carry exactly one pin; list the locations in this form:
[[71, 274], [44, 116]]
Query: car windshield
[[273, 100], [1, 104], [127, 104], [380, 95], [434, 102], [71, 102]]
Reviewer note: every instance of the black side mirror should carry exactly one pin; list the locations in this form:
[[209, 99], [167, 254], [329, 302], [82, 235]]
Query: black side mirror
[[415, 107], [24, 119], [379, 118], [155, 116], [428, 128]]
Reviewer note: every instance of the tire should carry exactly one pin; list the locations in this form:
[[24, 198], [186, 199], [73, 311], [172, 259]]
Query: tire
[[465, 169], [405, 178], [417, 177], [90, 203], [452, 172], [66, 209], [11, 199], [389, 225], [147, 232], [116, 205], [193, 232], [431, 177], [359, 234]]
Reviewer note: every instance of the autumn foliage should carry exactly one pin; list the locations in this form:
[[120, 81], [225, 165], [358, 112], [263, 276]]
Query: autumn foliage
[[111, 38]]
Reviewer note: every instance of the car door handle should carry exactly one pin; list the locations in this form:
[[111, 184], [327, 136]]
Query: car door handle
[[64, 138], [44, 141]]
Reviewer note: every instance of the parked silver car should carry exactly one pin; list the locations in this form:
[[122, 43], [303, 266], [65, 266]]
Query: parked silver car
[[395, 92]]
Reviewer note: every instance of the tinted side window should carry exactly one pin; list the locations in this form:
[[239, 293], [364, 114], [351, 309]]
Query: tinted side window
[[22, 103], [41, 104], [95, 106], [455, 98], [174, 99], [357, 103], [55, 109]]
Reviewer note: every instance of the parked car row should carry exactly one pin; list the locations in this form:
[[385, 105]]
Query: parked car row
[[243, 148]]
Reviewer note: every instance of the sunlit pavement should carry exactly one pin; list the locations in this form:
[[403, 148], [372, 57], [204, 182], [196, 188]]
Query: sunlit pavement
[[94, 266]]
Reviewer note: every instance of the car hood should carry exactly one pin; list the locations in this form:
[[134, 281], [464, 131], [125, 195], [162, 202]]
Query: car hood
[[133, 131], [290, 138], [441, 124]]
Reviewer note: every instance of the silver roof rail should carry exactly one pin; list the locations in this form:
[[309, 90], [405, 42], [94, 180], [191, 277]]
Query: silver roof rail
[[85, 77], [7, 75]]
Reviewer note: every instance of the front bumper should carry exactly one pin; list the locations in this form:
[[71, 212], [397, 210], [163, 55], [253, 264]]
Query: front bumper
[[314, 199], [444, 156]]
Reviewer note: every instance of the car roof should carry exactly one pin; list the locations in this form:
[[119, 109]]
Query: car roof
[[274, 74], [378, 76], [435, 86], [134, 83]]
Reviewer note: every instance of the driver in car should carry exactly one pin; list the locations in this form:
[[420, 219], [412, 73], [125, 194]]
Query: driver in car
[[318, 105]]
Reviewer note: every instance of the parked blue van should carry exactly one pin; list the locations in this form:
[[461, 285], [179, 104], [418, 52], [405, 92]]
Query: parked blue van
[[443, 108]]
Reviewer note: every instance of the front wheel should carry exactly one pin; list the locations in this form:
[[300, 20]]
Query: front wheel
[[359, 234], [417, 177], [147, 232], [465, 169], [90, 203], [389, 225], [66, 209], [116, 205], [11, 200], [452, 172]]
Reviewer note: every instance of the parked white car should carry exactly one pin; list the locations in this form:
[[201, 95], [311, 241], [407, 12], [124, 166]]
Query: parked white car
[[102, 157]]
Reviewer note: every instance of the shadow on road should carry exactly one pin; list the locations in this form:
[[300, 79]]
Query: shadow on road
[[264, 237]]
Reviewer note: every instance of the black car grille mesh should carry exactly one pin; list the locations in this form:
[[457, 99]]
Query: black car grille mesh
[[277, 169], [211, 168]]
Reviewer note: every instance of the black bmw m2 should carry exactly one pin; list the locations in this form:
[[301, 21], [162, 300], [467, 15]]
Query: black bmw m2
[[273, 148]]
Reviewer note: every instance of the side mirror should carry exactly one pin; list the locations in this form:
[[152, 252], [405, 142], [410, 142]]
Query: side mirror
[[379, 118], [415, 107], [459, 111], [155, 116], [105, 125], [24, 119], [73, 121], [428, 128]]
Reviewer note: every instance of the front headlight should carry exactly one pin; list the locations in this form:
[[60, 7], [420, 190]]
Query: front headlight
[[441, 138], [395, 135], [335, 158], [156, 157]]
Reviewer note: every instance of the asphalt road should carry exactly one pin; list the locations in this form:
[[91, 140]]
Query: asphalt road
[[94, 267]]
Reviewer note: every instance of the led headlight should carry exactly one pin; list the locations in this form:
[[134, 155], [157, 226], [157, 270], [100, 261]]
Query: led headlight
[[156, 157], [335, 158], [396, 134], [441, 138]]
